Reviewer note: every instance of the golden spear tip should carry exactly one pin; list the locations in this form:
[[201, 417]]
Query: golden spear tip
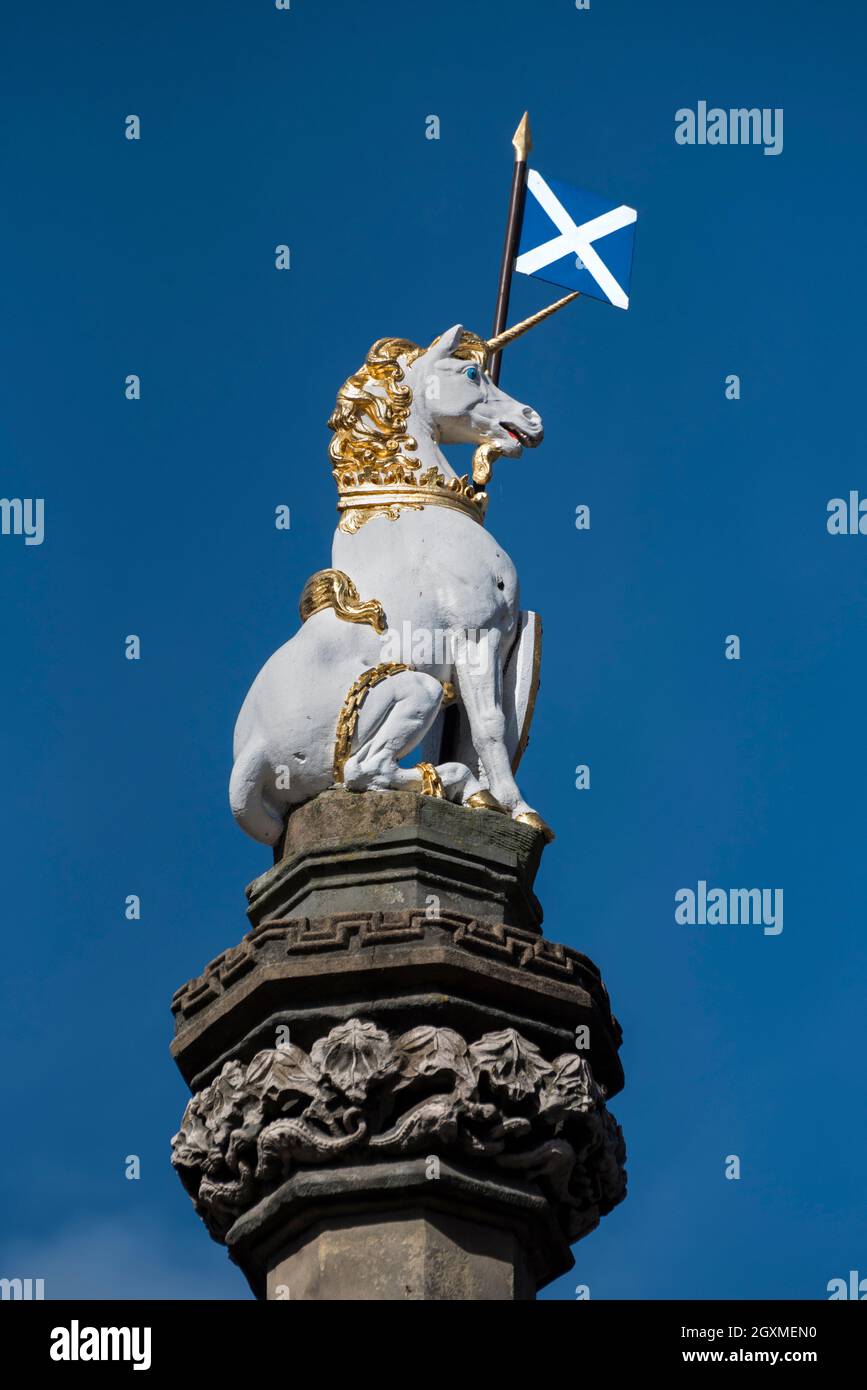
[[518, 329], [522, 139]]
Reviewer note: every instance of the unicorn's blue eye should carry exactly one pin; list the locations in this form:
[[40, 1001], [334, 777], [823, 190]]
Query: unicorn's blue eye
[[472, 373]]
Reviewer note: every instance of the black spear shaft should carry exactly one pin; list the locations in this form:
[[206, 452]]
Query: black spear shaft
[[523, 144]]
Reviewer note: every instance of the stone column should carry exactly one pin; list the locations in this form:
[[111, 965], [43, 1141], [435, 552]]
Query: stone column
[[399, 1082]]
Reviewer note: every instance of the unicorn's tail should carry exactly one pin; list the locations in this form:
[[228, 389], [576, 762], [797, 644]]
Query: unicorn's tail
[[248, 795]]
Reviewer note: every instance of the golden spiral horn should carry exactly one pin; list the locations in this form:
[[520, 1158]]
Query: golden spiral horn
[[519, 329]]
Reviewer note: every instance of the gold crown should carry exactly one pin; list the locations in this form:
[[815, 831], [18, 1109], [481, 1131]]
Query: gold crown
[[372, 496]]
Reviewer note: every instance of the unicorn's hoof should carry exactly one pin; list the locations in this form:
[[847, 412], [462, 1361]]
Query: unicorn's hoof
[[431, 782], [536, 822], [484, 801]]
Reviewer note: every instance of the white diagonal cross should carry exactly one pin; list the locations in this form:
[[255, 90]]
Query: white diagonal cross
[[575, 239]]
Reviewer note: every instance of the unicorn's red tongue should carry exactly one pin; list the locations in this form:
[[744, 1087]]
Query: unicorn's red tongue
[[517, 435]]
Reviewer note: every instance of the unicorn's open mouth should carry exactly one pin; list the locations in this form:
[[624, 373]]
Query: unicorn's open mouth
[[527, 441]]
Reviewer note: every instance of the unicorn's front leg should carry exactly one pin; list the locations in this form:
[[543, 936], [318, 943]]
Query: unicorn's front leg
[[479, 675]]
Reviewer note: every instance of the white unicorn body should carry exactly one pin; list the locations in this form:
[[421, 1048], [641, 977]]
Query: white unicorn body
[[343, 702]]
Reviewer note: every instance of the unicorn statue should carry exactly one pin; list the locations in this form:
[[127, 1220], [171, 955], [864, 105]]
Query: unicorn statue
[[414, 641]]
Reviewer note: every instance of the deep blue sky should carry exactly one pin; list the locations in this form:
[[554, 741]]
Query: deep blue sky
[[708, 518]]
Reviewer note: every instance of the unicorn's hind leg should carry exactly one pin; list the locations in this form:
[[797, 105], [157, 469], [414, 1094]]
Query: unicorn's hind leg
[[396, 715], [394, 718]]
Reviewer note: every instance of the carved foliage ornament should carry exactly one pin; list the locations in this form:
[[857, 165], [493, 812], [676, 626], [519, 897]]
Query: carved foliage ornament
[[363, 1095]]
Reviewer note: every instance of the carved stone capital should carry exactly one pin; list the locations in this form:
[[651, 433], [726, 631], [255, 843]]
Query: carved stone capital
[[361, 1097], [398, 1081]]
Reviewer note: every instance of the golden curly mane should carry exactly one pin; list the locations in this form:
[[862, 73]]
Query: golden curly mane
[[371, 443]]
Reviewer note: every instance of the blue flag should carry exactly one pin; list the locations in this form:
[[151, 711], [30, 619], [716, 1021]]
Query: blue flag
[[577, 239]]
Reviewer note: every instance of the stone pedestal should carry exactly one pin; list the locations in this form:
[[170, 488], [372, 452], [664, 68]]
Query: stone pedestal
[[416, 1255], [388, 1097]]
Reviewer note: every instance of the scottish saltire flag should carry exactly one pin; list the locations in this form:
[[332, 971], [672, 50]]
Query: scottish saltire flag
[[577, 239]]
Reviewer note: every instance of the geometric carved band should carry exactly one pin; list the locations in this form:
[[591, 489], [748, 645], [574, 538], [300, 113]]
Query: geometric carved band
[[361, 931]]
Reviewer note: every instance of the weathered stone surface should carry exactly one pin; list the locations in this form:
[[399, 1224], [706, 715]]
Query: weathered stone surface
[[387, 851], [413, 1256], [412, 1071]]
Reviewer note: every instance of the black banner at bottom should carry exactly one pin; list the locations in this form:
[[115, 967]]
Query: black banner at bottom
[[65, 1338]]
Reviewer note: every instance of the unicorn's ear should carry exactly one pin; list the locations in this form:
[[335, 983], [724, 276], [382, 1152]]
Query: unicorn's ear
[[445, 344]]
